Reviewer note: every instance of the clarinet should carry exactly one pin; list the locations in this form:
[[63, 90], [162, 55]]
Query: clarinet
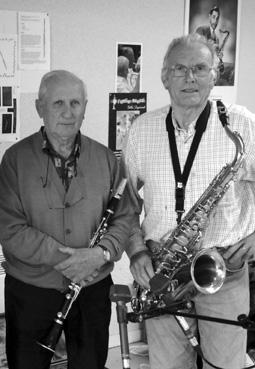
[[73, 290]]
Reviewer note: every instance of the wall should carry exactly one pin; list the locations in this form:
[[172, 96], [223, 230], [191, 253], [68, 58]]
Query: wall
[[83, 39], [246, 78], [88, 48]]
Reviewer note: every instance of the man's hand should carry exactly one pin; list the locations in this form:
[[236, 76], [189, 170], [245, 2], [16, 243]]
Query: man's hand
[[240, 252], [82, 266], [141, 268]]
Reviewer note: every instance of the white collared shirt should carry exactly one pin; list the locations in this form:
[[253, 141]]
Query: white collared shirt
[[148, 161]]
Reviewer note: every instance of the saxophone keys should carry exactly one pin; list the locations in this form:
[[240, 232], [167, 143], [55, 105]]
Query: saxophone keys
[[194, 225]]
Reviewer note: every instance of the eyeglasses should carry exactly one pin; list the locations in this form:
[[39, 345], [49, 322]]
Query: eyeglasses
[[198, 70]]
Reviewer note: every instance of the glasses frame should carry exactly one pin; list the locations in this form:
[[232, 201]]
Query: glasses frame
[[188, 69]]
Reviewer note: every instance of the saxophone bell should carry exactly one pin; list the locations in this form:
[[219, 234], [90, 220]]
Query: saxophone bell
[[208, 271]]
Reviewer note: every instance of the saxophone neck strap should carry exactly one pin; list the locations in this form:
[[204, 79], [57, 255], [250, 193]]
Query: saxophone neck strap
[[181, 178]]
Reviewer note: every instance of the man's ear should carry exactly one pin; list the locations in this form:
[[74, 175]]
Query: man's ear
[[214, 77], [165, 83], [39, 107]]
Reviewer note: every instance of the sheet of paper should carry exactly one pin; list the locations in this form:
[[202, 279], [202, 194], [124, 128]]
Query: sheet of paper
[[8, 60], [34, 41]]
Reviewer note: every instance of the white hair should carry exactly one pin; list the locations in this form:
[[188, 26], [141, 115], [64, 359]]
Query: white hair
[[58, 75], [186, 40]]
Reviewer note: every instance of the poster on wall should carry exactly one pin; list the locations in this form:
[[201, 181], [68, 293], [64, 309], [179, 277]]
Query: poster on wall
[[34, 41], [8, 59], [32, 34], [9, 89], [9, 117], [123, 109], [128, 67], [218, 21]]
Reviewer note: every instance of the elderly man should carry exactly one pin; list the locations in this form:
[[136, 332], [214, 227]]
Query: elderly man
[[161, 158], [54, 188]]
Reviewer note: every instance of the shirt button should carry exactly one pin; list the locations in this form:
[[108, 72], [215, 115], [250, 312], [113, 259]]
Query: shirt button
[[67, 205], [68, 231]]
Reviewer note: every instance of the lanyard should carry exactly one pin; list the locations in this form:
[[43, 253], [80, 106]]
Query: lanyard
[[182, 178]]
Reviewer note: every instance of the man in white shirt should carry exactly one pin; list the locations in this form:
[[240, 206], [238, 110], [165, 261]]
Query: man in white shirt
[[189, 74]]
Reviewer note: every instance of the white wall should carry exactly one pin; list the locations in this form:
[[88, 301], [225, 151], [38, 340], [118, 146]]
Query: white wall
[[246, 78], [83, 39]]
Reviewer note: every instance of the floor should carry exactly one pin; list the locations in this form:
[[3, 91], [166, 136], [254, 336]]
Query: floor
[[138, 357]]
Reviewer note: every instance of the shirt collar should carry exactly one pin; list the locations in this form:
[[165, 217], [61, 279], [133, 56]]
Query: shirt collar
[[183, 132], [48, 148]]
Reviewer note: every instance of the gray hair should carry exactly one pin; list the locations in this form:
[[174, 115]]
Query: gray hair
[[58, 75], [185, 41]]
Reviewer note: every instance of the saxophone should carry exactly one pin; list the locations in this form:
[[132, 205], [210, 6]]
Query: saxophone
[[219, 51], [182, 268]]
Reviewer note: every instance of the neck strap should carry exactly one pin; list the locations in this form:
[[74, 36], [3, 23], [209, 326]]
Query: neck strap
[[182, 178]]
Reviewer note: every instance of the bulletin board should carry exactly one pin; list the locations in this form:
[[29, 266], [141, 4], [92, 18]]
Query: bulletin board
[[24, 59]]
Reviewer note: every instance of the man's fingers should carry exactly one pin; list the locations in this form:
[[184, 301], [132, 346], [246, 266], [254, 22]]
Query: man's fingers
[[141, 276], [66, 250], [149, 270]]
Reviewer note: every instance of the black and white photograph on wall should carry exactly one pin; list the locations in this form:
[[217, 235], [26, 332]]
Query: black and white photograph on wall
[[217, 20], [124, 108], [128, 67], [8, 113]]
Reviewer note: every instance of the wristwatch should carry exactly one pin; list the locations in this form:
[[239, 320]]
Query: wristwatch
[[107, 254]]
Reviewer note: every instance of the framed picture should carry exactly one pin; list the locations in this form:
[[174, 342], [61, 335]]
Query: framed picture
[[9, 118], [128, 67], [218, 21], [124, 108]]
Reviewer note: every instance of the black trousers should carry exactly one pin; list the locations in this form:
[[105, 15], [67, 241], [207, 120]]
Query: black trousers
[[30, 311]]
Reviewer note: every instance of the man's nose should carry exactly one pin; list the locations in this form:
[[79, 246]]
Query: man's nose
[[190, 74], [67, 110]]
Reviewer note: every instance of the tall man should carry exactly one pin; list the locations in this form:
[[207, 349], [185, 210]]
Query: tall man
[[188, 74], [54, 189]]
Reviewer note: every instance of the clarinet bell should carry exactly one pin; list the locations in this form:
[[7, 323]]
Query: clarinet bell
[[50, 341]]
